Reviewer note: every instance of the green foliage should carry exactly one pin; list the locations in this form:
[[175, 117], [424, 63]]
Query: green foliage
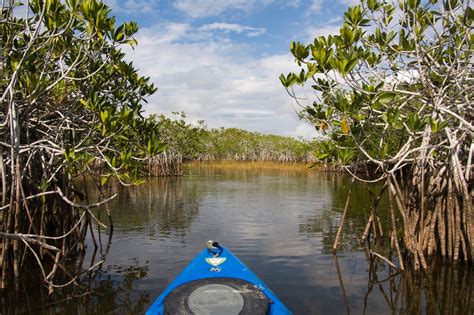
[[180, 136], [241, 145], [71, 107], [394, 92], [390, 76], [197, 142], [69, 74]]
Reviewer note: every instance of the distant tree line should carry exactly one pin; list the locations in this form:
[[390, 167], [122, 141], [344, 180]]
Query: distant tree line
[[241, 145], [187, 142]]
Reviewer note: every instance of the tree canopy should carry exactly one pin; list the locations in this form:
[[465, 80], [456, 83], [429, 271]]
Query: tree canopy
[[200, 143], [71, 105], [394, 89]]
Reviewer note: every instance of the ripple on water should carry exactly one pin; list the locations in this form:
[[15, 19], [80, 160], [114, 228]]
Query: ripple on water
[[281, 224]]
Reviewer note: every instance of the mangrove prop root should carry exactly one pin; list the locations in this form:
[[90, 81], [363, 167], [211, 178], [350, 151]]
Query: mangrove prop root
[[433, 218]]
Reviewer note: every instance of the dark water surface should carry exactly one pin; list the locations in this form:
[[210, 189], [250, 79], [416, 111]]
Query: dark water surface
[[280, 223]]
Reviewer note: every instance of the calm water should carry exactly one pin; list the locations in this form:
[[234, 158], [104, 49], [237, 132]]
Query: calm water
[[280, 223]]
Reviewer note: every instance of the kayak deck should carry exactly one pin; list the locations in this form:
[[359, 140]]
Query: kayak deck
[[217, 282]]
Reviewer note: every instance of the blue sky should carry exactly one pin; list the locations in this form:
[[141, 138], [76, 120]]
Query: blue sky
[[219, 61]]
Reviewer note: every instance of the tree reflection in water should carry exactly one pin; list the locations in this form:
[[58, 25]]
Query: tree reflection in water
[[291, 217], [161, 206], [447, 289], [109, 291]]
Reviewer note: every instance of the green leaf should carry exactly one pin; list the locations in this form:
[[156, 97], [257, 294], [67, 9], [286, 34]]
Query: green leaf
[[148, 148], [414, 122], [385, 150], [311, 111], [83, 102], [398, 125], [290, 79], [371, 4], [345, 155], [104, 180], [351, 64], [122, 137], [469, 15], [413, 3], [385, 117], [119, 36], [103, 115], [386, 97], [376, 105], [443, 125], [160, 148], [132, 42], [283, 80]]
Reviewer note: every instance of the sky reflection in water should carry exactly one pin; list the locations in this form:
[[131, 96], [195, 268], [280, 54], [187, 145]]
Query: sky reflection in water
[[281, 224]]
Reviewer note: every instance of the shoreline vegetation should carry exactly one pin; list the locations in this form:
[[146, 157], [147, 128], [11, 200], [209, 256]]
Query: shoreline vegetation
[[393, 97], [258, 165], [71, 106], [393, 90], [193, 144]]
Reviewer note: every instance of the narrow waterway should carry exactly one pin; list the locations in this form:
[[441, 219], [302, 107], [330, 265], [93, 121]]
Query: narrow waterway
[[281, 223]]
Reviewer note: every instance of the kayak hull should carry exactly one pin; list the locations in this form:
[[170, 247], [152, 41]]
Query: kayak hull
[[217, 268]]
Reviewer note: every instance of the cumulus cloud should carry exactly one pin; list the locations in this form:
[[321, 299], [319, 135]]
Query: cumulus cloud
[[294, 3], [350, 2], [227, 27], [165, 33], [315, 6], [134, 7], [402, 76], [206, 8], [239, 113], [314, 31], [211, 80]]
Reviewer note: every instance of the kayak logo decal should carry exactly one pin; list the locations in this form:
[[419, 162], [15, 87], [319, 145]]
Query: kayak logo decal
[[215, 269], [216, 261]]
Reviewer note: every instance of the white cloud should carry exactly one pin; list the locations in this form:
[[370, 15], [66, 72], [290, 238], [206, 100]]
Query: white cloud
[[315, 6], [165, 33], [350, 2], [402, 77], [305, 130], [326, 30], [227, 27], [239, 113], [294, 3], [206, 8], [211, 80], [133, 7]]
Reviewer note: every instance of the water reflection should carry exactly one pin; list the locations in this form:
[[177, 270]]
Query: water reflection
[[163, 206], [112, 290], [382, 290], [341, 284], [446, 289], [280, 223]]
